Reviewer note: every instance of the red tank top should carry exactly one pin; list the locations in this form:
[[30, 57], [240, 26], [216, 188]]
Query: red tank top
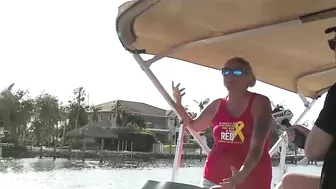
[[232, 136]]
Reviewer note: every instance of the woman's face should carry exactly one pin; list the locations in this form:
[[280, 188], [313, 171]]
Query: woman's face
[[236, 76]]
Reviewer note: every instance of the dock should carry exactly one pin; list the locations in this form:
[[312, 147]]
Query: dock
[[292, 159]]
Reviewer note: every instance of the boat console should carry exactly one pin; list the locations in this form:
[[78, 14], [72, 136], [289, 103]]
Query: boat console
[[151, 184]]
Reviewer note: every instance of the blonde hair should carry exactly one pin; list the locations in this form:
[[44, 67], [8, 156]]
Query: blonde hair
[[248, 67]]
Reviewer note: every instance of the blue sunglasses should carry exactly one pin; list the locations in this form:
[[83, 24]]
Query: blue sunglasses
[[234, 71]]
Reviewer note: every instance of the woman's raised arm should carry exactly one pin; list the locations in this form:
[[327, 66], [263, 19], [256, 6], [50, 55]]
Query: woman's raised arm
[[204, 120]]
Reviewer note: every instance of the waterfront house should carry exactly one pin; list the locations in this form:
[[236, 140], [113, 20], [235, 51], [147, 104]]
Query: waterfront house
[[161, 122]]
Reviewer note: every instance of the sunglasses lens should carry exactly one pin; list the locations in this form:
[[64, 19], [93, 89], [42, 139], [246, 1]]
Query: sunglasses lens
[[237, 72], [225, 71]]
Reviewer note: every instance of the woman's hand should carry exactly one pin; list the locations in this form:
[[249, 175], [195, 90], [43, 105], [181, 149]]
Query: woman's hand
[[232, 182], [177, 93]]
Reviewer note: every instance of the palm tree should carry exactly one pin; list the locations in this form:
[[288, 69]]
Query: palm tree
[[119, 113], [123, 117], [208, 133], [94, 117], [15, 110], [202, 103], [80, 96], [47, 117], [64, 121], [26, 113], [77, 109]]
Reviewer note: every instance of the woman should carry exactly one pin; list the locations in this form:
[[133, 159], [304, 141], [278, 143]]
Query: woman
[[242, 122]]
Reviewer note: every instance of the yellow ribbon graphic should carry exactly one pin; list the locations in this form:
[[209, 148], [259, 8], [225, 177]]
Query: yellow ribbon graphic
[[238, 130]]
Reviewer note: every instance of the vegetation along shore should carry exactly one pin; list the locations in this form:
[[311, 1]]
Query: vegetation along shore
[[44, 126]]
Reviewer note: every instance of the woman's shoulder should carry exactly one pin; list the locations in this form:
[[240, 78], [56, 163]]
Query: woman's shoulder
[[217, 102], [261, 101], [260, 97]]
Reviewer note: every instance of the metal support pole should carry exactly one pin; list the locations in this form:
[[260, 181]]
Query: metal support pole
[[145, 67]]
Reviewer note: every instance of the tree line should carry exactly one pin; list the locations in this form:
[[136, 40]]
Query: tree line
[[45, 118]]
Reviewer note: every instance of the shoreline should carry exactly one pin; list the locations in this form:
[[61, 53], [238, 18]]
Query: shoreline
[[118, 155], [91, 154]]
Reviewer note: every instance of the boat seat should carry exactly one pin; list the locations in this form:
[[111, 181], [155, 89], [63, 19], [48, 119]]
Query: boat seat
[[150, 184]]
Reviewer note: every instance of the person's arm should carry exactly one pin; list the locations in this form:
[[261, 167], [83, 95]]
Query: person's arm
[[262, 124], [323, 132], [204, 120]]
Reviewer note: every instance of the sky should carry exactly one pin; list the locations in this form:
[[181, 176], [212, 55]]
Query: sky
[[56, 46]]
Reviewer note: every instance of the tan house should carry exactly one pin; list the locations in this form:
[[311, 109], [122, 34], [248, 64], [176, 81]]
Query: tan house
[[161, 122]]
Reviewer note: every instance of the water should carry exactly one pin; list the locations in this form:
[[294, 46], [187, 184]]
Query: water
[[61, 174]]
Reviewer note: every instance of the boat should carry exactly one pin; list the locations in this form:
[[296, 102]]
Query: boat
[[289, 43]]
